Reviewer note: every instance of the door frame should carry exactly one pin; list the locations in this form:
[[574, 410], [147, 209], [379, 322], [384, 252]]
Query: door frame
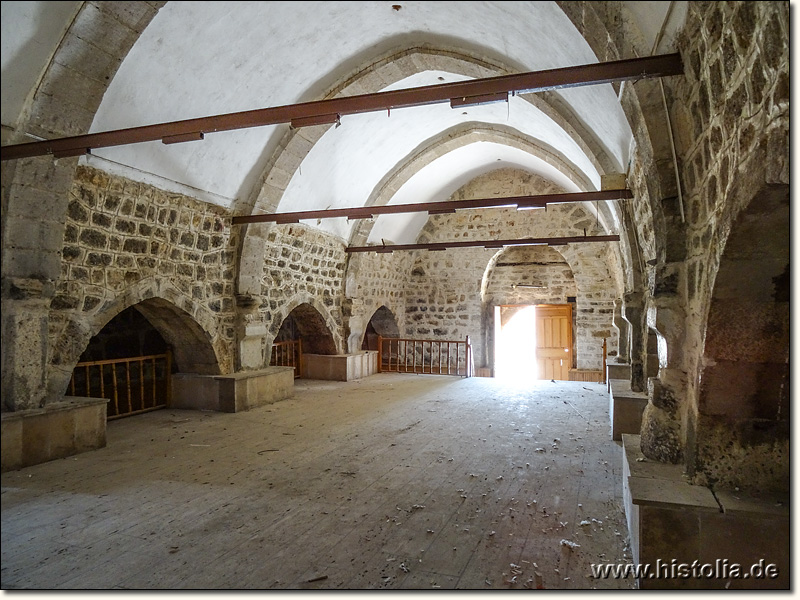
[[570, 335], [497, 326]]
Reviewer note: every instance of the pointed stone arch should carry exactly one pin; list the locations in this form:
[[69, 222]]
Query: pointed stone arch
[[382, 323], [36, 190], [447, 141], [315, 325], [742, 430], [386, 69], [189, 335], [524, 266]]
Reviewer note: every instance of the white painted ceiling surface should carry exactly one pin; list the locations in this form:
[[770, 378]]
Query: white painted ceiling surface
[[31, 32], [347, 164], [199, 59], [441, 178]]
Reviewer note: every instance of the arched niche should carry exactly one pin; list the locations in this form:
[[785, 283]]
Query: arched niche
[[742, 433], [131, 359], [306, 324], [191, 346], [127, 334], [193, 350], [382, 323]]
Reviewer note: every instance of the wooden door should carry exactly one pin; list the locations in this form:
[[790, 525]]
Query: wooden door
[[554, 341]]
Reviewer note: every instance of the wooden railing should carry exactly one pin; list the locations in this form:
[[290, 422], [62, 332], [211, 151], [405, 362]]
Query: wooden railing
[[132, 385], [605, 360], [288, 354], [435, 357]]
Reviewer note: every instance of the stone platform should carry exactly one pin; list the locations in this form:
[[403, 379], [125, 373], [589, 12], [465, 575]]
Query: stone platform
[[60, 429], [694, 538], [232, 393], [340, 367], [625, 408]]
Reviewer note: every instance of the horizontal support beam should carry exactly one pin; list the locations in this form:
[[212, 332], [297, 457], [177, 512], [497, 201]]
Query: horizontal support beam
[[195, 136], [435, 247], [476, 90], [435, 208]]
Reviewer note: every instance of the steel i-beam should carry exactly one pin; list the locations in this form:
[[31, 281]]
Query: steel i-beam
[[475, 91], [447, 206], [438, 246]]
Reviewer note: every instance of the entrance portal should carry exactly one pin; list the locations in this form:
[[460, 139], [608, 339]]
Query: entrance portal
[[533, 342]]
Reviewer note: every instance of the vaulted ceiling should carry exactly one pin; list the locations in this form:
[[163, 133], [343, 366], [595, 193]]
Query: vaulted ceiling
[[197, 59]]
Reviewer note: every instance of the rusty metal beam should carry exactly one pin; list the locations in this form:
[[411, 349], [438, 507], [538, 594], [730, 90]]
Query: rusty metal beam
[[457, 93], [435, 208], [438, 246]]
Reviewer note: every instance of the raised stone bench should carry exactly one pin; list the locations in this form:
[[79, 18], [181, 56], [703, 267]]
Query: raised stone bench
[[60, 429], [625, 408], [673, 523], [232, 393], [340, 367]]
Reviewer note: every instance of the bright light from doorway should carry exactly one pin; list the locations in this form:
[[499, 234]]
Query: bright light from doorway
[[515, 345]]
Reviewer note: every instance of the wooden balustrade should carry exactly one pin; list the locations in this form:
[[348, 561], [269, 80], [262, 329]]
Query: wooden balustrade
[[288, 354], [132, 385], [434, 357]]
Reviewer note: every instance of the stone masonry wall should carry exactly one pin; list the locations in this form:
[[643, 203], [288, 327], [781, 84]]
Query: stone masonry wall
[[125, 239], [731, 115], [302, 266], [444, 298], [375, 280]]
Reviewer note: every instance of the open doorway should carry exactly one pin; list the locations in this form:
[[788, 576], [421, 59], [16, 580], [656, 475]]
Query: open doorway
[[514, 339], [533, 342]]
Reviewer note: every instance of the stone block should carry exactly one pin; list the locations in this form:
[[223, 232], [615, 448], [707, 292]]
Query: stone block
[[89, 424], [625, 408], [613, 181], [232, 393], [58, 430], [675, 525], [11, 438], [746, 536], [340, 367], [617, 371]]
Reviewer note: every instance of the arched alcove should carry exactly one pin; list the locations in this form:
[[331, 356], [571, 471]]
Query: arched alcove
[[127, 334], [382, 323], [131, 359], [742, 433], [306, 324]]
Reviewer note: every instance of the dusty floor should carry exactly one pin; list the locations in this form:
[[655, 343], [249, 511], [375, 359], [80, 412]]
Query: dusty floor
[[395, 481]]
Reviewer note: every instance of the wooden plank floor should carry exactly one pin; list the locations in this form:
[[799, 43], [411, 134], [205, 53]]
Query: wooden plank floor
[[390, 482]]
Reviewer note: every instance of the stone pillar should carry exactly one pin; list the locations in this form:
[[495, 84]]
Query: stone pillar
[[354, 320], [662, 436], [251, 334], [622, 325], [634, 313], [25, 306], [356, 329]]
